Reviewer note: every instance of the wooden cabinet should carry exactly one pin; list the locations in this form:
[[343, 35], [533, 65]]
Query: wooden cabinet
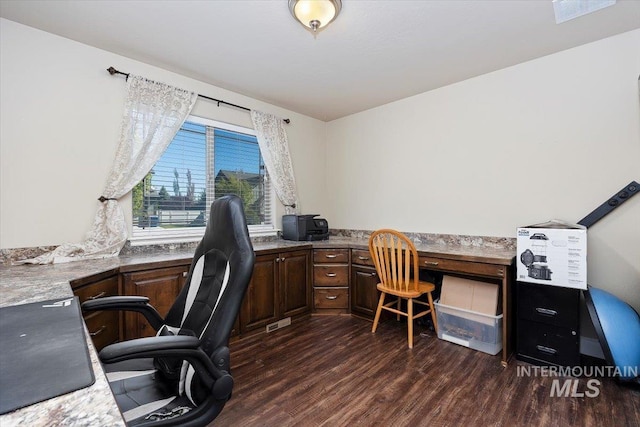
[[331, 281], [364, 279], [280, 287], [259, 306], [103, 326], [295, 283], [161, 286]]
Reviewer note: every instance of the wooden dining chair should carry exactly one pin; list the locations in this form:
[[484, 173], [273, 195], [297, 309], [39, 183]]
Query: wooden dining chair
[[395, 258]]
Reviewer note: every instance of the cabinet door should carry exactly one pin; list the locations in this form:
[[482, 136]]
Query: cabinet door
[[364, 295], [295, 283], [103, 326], [161, 286], [259, 306]]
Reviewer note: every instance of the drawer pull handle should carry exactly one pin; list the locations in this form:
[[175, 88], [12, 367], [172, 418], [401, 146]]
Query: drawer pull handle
[[331, 256], [363, 258], [99, 331], [546, 311], [331, 274], [434, 263], [547, 350], [100, 295], [185, 273], [373, 274], [331, 297]]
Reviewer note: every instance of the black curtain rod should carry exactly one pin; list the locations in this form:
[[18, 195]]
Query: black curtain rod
[[113, 71]]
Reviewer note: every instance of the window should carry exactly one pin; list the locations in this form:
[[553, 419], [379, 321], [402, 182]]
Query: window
[[206, 160]]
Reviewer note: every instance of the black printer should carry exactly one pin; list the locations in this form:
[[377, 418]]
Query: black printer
[[304, 227]]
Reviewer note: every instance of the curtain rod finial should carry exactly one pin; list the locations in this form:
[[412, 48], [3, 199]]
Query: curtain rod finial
[[112, 70]]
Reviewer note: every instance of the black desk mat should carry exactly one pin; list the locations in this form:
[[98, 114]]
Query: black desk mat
[[43, 352]]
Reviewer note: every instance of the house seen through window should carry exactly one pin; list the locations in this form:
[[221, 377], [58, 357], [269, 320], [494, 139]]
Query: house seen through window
[[206, 160]]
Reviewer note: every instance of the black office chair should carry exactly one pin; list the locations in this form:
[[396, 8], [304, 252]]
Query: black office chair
[[182, 375]]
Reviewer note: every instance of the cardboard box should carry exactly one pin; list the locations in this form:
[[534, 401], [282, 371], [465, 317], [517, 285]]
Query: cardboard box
[[553, 253], [471, 295]]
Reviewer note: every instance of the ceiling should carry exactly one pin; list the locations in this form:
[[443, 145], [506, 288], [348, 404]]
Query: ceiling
[[375, 52]]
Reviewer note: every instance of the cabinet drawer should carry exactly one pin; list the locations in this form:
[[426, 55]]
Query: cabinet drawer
[[104, 288], [103, 328], [330, 256], [330, 298], [548, 343], [331, 275], [361, 257], [548, 304], [462, 267]]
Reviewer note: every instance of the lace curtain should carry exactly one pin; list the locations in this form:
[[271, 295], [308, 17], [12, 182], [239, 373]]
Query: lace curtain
[[153, 114], [274, 147]]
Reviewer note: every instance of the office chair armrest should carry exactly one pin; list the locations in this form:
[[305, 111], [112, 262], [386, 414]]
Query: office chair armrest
[[178, 346], [127, 303], [144, 347]]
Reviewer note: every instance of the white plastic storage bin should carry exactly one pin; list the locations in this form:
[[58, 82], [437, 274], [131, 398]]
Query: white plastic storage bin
[[471, 329]]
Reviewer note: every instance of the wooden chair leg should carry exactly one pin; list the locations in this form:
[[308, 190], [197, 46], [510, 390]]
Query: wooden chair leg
[[433, 312], [410, 321], [378, 311]]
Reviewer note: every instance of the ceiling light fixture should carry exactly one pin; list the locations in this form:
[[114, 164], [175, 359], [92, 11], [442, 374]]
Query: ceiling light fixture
[[315, 14]]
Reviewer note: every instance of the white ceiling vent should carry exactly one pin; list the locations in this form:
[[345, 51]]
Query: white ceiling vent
[[570, 9]]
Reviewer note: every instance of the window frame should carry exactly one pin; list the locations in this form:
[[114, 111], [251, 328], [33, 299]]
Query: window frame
[[150, 235]]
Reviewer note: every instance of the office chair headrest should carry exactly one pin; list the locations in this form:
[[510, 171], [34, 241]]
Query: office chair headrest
[[227, 227]]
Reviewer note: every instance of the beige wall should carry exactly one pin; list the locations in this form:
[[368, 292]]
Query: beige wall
[[550, 138], [60, 119]]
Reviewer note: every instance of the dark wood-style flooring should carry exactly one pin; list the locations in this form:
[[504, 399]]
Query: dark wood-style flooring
[[332, 371]]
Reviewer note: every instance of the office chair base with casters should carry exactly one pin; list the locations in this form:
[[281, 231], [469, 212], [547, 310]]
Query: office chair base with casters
[[396, 258]]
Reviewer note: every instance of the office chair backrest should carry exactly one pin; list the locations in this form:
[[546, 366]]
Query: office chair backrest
[[219, 275], [394, 257], [208, 304]]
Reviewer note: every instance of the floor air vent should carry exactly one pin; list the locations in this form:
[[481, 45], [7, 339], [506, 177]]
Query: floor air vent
[[279, 324]]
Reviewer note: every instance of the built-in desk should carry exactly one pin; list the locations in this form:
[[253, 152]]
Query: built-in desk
[[493, 263], [95, 405], [485, 265]]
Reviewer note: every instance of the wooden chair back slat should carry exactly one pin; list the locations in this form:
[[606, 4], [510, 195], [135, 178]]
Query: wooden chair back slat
[[395, 257]]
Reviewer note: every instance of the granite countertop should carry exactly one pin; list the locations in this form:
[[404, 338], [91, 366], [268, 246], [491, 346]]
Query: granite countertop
[[458, 250], [91, 406], [20, 284]]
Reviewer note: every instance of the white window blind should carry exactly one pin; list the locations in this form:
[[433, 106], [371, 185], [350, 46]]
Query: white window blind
[[206, 160]]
